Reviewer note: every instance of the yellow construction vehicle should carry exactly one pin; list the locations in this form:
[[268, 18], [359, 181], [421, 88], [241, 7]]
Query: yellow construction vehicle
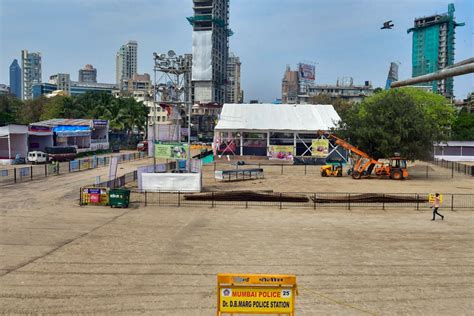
[[363, 165], [334, 170]]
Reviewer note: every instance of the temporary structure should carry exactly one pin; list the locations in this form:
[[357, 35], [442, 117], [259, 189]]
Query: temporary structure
[[277, 130], [300, 118], [13, 141]]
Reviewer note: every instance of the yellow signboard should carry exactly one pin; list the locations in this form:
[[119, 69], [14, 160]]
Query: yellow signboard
[[431, 198], [256, 300], [256, 293], [320, 148]]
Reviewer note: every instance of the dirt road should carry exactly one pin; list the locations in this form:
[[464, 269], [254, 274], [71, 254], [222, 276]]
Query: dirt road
[[59, 258]]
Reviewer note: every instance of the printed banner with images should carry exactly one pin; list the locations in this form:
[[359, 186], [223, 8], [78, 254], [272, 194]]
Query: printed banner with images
[[171, 151], [280, 152], [320, 148]]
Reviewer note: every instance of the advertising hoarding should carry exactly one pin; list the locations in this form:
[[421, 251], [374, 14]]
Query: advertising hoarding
[[320, 148], [171, 151], [306, 72], [280, 152]]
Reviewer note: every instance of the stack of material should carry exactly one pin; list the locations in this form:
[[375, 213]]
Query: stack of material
[[246, 196], [370, 198]]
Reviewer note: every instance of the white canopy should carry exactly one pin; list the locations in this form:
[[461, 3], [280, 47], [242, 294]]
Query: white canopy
[[277, 117], [13, 129]]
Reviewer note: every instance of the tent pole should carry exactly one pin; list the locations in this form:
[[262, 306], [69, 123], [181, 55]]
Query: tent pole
[[9, 147], [241, 143], [268, 142], [294, 144]]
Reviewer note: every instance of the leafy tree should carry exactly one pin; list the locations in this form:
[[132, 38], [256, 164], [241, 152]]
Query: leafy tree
[[32, 110], [404, 120], [53, 108], [463, 127], [378, 90], [9, 108], [115, 113], [340, 105]]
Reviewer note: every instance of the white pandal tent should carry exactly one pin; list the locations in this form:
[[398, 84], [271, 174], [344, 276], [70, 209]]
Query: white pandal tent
[[252, 129]]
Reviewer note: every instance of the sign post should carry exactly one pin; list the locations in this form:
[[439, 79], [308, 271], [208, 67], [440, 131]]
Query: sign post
[[256, 293]]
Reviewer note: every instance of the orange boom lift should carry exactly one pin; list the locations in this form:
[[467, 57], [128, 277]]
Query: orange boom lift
[[364, 165]]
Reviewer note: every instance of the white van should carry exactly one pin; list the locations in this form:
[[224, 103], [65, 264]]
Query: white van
[[36, 157]]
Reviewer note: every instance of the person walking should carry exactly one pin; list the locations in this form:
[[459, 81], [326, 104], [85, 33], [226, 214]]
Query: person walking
[[435, 206]]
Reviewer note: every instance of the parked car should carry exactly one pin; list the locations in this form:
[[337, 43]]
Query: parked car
[[115, 148], [19, 160], [61, 153], [142, 146], [36, 157]]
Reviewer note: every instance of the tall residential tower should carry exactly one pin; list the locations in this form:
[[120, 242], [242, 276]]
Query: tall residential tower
[[15, 79], [433, 48], [126, 62], [210, 50], [234, 92], [31, 73]]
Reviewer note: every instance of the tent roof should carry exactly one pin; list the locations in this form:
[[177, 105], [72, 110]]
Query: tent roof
[[13, 129], [65, 122], [278, 117]]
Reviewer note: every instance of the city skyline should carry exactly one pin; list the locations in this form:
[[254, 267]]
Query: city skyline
[[268, 36]]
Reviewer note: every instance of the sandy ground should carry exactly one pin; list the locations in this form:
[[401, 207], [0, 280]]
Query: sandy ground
[[59, 258], [294, 179]]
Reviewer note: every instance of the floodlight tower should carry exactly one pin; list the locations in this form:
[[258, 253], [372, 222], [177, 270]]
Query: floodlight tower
[[172, 88]]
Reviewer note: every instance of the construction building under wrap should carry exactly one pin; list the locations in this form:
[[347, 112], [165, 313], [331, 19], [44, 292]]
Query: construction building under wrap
[[433, 48]]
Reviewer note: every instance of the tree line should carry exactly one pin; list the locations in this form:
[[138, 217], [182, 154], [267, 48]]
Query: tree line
[[124, 114], [405, 120]]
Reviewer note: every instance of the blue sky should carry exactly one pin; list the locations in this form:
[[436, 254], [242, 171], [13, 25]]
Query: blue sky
[[342, 36]]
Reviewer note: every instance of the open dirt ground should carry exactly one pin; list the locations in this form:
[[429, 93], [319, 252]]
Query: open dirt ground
[[59, 258], [294, 179]]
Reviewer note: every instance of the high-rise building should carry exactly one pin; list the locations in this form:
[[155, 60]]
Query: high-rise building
[[392, 75], [15, 79], [290, 86], [433, 48], [138, 83], [233, 91], [31, 73], [210, 50], [126, 62], [88, 74], [62, 82]]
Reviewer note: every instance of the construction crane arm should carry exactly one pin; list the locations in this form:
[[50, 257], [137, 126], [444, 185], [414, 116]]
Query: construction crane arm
[[350, 147]]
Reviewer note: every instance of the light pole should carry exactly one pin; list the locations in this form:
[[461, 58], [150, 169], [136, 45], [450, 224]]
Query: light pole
[[176, 70], [154, 119]]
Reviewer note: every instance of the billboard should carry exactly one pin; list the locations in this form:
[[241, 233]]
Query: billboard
[[280, 152], [306, 72], [171, 151], [320, 148]]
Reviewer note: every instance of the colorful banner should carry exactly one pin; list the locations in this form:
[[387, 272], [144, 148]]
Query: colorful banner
[[171, 151], [320, 148], [280, 152], [307, 72]]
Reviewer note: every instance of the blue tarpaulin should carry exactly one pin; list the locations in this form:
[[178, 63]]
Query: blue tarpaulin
[[64, 130]]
